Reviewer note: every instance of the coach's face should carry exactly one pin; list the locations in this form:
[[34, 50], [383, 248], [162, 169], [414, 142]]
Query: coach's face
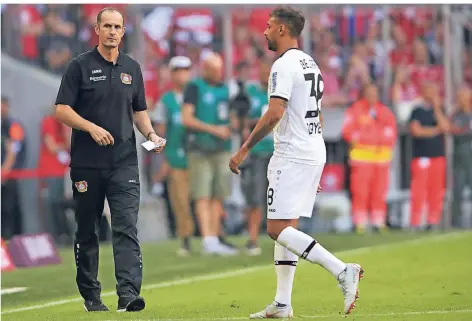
[[111, 29], [272, 33]]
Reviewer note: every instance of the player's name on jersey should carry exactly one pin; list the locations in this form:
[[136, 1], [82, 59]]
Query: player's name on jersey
[[307, 64]]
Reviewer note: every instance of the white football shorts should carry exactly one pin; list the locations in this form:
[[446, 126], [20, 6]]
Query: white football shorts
[[292, 188]]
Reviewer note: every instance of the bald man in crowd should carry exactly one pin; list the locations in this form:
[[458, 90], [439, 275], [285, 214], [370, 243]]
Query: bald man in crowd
[[206, 117]]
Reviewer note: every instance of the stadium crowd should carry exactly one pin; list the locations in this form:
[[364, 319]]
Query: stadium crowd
[[347, 42]]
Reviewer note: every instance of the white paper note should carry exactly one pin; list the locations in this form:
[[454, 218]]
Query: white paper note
[[150, 145]]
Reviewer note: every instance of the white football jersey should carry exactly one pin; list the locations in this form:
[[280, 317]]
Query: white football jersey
[[296, 78]]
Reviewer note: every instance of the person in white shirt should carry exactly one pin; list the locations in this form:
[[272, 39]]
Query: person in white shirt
[[294, 172]]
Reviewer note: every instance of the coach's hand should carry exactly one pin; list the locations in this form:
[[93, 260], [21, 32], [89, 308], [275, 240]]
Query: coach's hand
[[238, 159], [100, 135], [158, 141]]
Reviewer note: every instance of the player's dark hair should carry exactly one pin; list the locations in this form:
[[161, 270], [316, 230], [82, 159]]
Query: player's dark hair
[[291, 18], [109, 9]]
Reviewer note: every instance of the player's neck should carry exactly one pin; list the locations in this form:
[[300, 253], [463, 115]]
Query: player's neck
[[110, 54], [286, 46]]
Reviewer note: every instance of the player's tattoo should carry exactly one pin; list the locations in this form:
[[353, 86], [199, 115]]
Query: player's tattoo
[[265, 125], [283, 103]]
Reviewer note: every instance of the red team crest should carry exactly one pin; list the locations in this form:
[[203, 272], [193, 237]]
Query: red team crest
[[81, 186], [126, 78]]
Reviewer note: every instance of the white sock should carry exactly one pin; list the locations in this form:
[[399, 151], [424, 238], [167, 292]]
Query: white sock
[[285, 266], [210, 242], [307, 248]]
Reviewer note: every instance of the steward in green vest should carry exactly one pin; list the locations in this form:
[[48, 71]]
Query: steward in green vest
[[206, 117], [254, 181], [169, 124]]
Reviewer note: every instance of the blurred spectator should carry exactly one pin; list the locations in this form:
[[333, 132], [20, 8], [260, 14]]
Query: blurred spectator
[[435, 41], [13, 157], [241, 43], [462, 130], [254, 181], [467, 67], [205, 114], [363, 51], [414, 21], [422, 70], [332, 94], [31, 28], [357, 77], [404, 93], [194, 23], [379, 48], [326, 46], [57, 42], [53, 163], [168, 118], [428, 167], [402, 52], [370, 129]]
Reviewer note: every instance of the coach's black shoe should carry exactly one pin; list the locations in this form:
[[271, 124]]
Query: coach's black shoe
[[130, 304], [95, 306]]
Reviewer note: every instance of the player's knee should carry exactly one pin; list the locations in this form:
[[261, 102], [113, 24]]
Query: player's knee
[[273, 234], [274, 228]]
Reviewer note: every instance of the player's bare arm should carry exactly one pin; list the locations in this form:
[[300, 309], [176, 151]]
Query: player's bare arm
[[264, 126], [267, 122]]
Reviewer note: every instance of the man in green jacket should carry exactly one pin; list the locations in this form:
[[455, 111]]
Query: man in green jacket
[[205, 115], [169, 124]]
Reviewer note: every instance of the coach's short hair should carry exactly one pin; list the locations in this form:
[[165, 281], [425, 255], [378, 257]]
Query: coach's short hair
[[293, 19], [109, 9]]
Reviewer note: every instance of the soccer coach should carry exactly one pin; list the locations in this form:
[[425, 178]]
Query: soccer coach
[[100, 97]]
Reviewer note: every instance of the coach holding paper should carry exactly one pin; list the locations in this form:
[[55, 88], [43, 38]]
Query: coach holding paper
[[101, 95]]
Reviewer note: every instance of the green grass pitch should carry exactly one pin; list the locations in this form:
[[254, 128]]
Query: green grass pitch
[[408, 277]]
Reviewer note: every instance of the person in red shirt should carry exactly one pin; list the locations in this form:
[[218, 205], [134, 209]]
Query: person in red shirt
[[31, 28], [53, 163], [402, 52], [370, 129]]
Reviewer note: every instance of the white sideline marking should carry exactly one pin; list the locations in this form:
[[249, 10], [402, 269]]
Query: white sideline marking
[[394, 313], [322, 316], [222, 275], [12, 290]]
